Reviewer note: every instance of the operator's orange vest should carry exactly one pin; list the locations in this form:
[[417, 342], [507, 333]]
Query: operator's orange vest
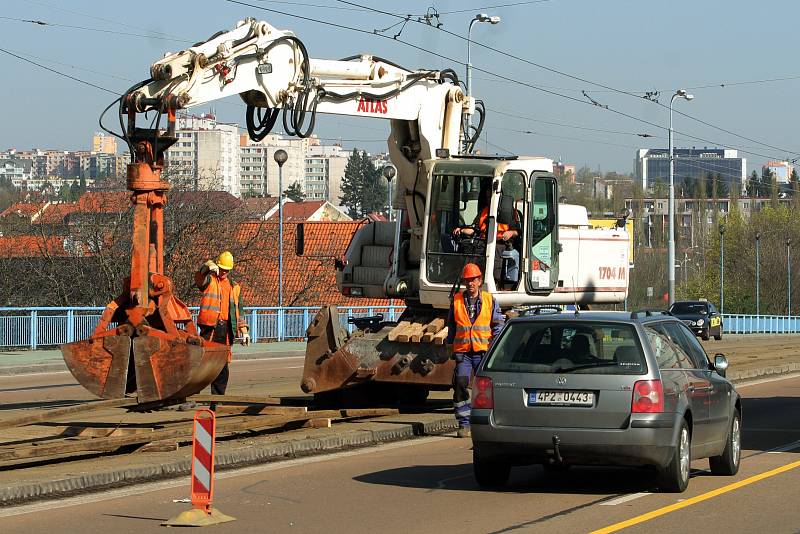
[[211, 304], [470, 336], [484, 225]]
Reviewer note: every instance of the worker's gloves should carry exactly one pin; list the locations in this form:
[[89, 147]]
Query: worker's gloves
[[246, 339], [212, 267]]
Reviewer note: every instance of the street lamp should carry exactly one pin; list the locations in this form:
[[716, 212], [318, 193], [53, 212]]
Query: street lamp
[[789, 278], [389, 172], [721, 267], [280, 157], [671, 259], [758, 275], [480, 17]]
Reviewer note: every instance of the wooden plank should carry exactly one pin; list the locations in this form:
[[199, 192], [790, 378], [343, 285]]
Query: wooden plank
[[427, 337], [236, 399], [435, 326], [164, 445], [260, 409], [50, 414], [416, 333], [318, 422], [440, 336], [401, 327]]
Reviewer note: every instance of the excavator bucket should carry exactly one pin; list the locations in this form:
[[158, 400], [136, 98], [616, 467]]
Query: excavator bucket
[[337, 361], [145, 343], [100, 364]]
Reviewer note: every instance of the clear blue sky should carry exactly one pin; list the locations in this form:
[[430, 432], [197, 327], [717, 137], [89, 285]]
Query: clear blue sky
[[631, 45]]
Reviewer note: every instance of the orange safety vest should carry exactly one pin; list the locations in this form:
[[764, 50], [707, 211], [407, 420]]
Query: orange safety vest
[[470, 336], [484, 225], [211, 304]]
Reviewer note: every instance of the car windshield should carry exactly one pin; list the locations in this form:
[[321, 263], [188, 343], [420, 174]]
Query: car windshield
[[688, 308], [576, 347]]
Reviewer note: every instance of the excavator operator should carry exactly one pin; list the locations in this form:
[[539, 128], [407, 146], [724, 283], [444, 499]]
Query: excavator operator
[[506, 233]]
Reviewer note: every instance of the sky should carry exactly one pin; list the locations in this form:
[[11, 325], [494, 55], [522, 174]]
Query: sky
[[737, 58]]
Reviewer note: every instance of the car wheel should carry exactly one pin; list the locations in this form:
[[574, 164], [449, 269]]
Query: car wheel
[[718, 337], [727, 464], [704, 335], [674, 478], [490, 473]]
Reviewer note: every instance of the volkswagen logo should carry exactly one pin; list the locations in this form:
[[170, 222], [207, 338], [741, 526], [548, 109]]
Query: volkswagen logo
[[561, 380]]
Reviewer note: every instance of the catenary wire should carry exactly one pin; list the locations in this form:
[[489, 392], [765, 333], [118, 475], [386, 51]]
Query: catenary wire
[[86, 28]]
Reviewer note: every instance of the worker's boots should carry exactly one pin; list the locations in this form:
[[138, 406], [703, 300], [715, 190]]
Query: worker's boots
[[464, 432]]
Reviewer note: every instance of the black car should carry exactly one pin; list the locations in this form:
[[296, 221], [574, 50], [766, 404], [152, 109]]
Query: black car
[[700, 316]]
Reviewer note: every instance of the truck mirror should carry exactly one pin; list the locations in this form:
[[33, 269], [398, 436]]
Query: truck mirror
[[505, 211]]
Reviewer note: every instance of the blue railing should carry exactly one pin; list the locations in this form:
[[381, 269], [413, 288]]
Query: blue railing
[[47, 327]]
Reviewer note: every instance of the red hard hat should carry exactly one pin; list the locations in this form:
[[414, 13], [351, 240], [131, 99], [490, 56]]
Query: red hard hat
[[471, 271]]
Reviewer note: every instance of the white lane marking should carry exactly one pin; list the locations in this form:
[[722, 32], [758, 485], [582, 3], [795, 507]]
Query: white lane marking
[[149, 487], [785, 448], [756, 382], [625, 498]]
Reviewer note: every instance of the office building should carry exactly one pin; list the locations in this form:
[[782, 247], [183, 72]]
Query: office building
[[652, 165]]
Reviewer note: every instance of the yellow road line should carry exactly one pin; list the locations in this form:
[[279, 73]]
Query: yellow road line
[[694, 500]]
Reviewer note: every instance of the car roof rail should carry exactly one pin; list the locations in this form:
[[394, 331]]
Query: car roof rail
[[540, 310], [648, 312]]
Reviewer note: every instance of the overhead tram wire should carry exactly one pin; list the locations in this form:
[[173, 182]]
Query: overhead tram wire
[[556, 136], [43, 23], [45, 67], [568, 75], [48, 60], [587, 128]]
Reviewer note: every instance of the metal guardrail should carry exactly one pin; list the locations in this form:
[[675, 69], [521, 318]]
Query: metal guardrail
[[51, 326], [47, 327]]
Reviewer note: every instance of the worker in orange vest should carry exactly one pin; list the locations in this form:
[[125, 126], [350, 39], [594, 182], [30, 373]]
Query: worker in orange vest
[[473, 321], [221, 310]]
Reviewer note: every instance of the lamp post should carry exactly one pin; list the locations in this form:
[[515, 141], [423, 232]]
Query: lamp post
[[280, 157], [389, 172], [758, 275], [722, 267], [671, 259], [480, 17], [789, 278]]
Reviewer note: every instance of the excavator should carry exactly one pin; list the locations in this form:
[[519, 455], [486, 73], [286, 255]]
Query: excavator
[[450, 204]]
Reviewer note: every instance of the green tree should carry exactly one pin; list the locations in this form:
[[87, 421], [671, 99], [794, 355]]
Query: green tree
[[295, 192], [364, 189], [8, 193], [754, 185]]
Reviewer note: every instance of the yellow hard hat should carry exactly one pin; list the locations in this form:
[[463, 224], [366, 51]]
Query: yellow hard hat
[[225, 261]]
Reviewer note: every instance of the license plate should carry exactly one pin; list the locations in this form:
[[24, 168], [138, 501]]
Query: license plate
[[560, 398]]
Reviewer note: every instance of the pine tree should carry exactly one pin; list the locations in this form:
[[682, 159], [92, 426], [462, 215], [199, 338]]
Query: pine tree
[[295, 192], [364, 189]]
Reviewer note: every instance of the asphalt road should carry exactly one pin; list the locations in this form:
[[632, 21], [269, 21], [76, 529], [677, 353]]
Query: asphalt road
[[426, 486], [278, 376]]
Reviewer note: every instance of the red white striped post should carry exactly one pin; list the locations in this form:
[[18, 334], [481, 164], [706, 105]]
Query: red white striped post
[[203, 445], [202, 490]]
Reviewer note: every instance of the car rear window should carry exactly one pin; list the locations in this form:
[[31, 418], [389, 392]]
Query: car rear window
[[685, 308], [576, 347]]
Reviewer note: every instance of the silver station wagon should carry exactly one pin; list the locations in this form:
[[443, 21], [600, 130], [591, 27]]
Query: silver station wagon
[[603, 388]]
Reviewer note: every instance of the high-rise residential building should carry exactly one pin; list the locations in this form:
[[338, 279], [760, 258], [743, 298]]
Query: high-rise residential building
[[105, 143], [781, 169], [324, 172], [259, 172], [652, 165], [206, 155]]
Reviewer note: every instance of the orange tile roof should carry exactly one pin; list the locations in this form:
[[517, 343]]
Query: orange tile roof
[[260, 205], [104, 202], [29, 246], [55, 213], [300, 211], [22, 209], [308, 280]]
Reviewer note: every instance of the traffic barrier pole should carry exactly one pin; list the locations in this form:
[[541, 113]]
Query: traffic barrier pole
[[202, 481]]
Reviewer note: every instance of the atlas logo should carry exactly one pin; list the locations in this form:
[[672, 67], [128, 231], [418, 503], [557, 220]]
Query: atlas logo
[[367, 105]]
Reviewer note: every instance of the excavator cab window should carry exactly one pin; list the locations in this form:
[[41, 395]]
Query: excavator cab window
[[541, 239], [456, 202]]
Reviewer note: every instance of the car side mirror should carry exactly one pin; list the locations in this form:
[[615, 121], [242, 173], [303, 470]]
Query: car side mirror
[[720, 364], [505, 211]]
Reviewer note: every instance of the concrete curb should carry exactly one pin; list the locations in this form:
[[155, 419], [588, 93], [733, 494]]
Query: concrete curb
[[272, 452], [747, 375]]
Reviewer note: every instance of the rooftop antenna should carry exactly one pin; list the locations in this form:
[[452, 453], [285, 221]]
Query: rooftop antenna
[[575, 296]]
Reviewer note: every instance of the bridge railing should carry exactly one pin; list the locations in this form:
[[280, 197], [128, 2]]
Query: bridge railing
[[51, 326]]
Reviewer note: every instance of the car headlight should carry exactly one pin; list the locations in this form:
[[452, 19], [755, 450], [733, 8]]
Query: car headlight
[[700, 322]]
